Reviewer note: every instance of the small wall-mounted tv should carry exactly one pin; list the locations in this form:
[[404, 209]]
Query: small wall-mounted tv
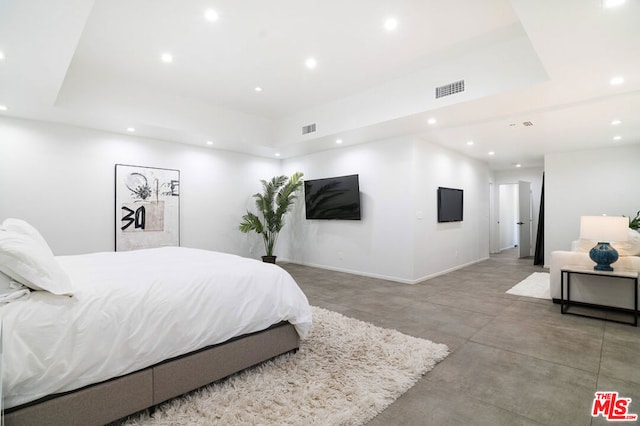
[[450, 201], [332, 198]]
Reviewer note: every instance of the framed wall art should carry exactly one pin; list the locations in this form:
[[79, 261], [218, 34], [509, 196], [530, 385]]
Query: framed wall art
[[147, 207]]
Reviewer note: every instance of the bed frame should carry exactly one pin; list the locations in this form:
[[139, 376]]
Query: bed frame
[[114, 399]]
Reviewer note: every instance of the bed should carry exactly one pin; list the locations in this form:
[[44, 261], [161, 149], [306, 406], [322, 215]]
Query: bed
[[116, 333]]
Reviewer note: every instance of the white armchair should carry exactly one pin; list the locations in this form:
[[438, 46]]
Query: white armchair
[[592, 289]]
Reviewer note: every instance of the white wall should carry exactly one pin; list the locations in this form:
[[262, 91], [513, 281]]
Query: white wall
[[585, 183], [399, 178], [380, 244], [441, 247], [61, 179]]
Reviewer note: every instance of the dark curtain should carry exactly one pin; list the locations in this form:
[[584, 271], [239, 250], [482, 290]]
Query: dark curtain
[[538, 257]]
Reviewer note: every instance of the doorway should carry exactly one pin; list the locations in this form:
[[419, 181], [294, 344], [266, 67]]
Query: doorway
[[515, 217]]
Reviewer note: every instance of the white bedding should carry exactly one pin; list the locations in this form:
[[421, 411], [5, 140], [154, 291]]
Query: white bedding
[[134, 309]]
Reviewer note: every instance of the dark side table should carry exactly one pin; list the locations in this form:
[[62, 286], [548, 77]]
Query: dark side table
[[622, 274]]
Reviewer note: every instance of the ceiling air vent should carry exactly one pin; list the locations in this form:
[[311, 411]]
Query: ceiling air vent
[[527, 123], [450, 89], [309, 128]]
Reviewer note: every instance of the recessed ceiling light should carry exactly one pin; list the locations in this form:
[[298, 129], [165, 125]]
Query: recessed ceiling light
[[608, 4], [258, 89], [1, 55], [470, 143], [390, 24], [209, 142], [338, 141], [3, 108], [277, 154], [617, 138], [211, 15], [167, 58], [131, 129], [432, 120], [491, 153], [311, 63], [616, 81], [518, 165], [615, 122]]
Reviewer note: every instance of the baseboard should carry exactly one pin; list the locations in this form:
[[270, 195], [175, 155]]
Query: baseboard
[[384, 277], [350, 271], [446, 271]]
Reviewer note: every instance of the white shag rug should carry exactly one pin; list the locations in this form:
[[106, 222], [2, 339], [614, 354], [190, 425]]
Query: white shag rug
[[346, 372], [535, 285]]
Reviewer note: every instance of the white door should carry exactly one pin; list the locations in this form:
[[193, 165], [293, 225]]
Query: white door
[[524, 218]]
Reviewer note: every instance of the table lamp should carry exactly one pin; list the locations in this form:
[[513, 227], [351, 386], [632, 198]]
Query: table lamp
[[604, 229]]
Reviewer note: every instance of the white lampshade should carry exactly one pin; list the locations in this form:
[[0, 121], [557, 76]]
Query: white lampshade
[[604, 228]]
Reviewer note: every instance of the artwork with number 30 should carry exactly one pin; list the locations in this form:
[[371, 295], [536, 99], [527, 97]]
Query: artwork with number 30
[[147, 207]]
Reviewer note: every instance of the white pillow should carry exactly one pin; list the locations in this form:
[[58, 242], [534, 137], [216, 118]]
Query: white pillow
[[624, 248], [6, 284], [582, 245], [28, 262], [22, 227], [10, 290], [630, 247]]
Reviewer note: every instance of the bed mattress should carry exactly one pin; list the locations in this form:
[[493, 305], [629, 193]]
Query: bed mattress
[[134, 309]]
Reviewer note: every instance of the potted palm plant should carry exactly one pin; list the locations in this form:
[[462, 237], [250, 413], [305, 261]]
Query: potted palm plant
[[635, 222], [277, 197]]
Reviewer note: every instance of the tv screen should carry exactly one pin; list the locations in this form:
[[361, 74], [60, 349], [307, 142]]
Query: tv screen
[[449, 205], [332, 198]]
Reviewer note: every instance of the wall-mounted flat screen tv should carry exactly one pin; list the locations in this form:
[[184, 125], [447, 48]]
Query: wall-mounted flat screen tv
[[332, 198], [450, 204]]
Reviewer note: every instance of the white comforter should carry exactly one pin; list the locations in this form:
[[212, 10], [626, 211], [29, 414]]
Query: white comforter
[[133, 309]]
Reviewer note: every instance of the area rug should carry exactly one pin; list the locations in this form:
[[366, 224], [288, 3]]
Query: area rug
[[535, 285], [346, 372]]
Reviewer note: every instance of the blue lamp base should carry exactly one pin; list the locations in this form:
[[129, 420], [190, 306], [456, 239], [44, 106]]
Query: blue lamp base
[[604, 255]]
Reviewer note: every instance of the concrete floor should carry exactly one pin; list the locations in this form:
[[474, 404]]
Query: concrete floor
[[514, 360]]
